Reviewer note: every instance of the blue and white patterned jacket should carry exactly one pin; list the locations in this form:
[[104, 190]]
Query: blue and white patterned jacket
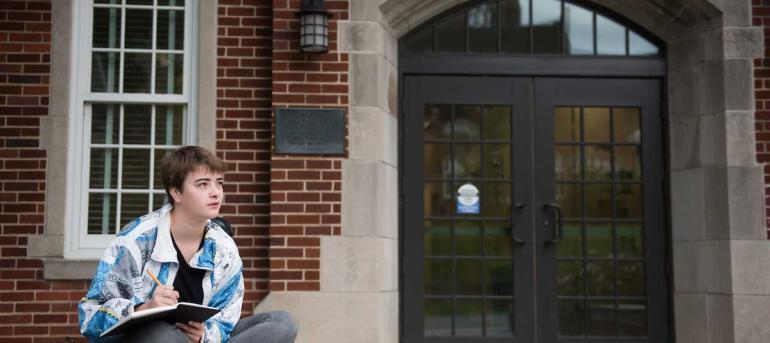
[[121, 281]]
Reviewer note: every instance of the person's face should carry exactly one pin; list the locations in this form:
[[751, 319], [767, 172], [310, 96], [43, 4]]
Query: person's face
[[201, 194]]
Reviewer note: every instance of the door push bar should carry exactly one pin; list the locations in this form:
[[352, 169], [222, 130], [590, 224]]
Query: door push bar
[[516, 237], [559, 230]]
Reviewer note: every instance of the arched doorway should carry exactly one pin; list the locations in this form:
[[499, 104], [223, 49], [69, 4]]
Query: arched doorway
[[532, 172]]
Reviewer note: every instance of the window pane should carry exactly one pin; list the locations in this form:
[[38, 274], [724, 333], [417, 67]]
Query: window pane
[[467, 160], [170, 30], [114, 2], [170, 2], [482, 28], [437, 276], [450, 34], [169, 121], [138, 29], [598, 162], [567, 124], [106, 33], [499, 277], [628, 200], [596, 124], [568, 197], [468, 275], [601, 318], [496, 199], [572, 241], [632, 318], [546, 26], [136, 169], [610, 37], [630, 241], [101, 213], [468, 317], [497, 161], [132, 206], [628, 164], [638, 46], [497, 123], [136, 77], [105, 125], [497, 238], [437, 160], [600, 204], [438, 199], [103, 169], [158, 200], [438, 122], [438, 238], [421, 41], [438, 317], [136, 124], [468, 238], [158, 181], [599, 240], [599, 278], [570, 281], [567, 162], [467, 122], [579, 30], [626, 123], [139, 2], [571, 317], [105, 68], [514, 26], [169, 73], [499, 318]]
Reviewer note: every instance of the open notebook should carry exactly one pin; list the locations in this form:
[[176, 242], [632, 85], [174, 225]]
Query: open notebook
[[178, 313]]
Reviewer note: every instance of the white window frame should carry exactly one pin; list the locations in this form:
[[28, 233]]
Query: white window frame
[[78, 244]]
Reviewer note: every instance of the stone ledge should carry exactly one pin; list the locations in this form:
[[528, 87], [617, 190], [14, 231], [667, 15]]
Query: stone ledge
[[66, 269]]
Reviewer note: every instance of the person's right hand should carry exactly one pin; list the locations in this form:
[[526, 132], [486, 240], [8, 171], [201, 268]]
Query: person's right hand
[[163, 295]]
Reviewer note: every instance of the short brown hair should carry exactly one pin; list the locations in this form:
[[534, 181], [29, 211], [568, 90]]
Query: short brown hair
[[175, 166]]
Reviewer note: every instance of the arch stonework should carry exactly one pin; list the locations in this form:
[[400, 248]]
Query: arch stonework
[[721, 256]]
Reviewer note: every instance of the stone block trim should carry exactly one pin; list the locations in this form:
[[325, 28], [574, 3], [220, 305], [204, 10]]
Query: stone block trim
[[243, 133], [761, 18], [306, 191]]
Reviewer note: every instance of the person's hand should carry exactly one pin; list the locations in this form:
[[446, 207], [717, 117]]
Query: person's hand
[[163, 295], [193, 330]]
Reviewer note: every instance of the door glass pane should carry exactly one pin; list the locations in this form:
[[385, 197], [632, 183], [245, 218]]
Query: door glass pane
[[599, 278], [438, 119], [598, 162], [568, 197], [570, 280], [467, 160], [482, 28], [610, 37], [629, 239], [497, 161], [601, 317], [579, 30], [438, 317], [468, 238], [101, 213], [514, 26], [628, 199], [437, 276], [498, 277], [597, 124], [468, 276], [468, 317], [626, 122], [497, 123], [546, 26], [499, 317], [438, 238], [567, 124], [632, 318], [496, 199], [572, 242], [437, 160], [497, 238], [600, 205], [571, 317], [599, 239], [628, 165], [468, 123], [567, 162], [450, 34], [630, 278], [437, 199]]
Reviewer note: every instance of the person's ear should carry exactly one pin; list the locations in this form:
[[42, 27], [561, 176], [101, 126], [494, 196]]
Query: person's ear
[[176, 194]]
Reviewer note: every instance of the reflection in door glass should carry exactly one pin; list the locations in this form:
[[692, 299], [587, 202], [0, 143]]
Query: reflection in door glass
[[600, 263]]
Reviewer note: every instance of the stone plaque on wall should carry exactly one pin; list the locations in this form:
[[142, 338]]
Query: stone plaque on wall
[[310, 131]]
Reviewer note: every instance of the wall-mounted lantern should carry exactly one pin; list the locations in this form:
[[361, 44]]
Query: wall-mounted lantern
[[313, 27]]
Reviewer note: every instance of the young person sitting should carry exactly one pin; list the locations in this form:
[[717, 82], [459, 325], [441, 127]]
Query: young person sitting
[[194, 259]]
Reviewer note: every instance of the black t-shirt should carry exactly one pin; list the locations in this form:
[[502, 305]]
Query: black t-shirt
[[189, 280]]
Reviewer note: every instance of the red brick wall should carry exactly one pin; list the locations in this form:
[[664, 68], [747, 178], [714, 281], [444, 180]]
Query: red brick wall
[[305, 194], [243, 133], [761, 17], [30, 308]]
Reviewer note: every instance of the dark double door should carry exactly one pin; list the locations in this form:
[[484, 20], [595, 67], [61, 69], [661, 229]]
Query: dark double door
[[532, 210]]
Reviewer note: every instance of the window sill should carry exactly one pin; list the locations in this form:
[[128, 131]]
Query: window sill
[[49, 248]]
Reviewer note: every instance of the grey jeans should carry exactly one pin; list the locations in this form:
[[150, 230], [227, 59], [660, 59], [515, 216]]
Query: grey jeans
[[265, 327]]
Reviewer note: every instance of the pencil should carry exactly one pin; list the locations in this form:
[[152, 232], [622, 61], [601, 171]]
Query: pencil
[[154, 278]]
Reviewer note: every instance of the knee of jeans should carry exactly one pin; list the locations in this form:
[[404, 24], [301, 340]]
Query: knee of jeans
[[287, 321]]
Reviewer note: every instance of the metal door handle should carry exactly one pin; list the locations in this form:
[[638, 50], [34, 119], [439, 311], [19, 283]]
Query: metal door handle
[[516, 237], [558, 230]]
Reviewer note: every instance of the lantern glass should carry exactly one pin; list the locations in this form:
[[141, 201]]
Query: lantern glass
[[314, 32]]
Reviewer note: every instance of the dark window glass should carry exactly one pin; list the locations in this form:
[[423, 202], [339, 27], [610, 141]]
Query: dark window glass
[[450, 34], [578, 30], [546, 26], [638, 46], [421, 41], [106, 32], [482, 28], [610, 37], [514, 26]]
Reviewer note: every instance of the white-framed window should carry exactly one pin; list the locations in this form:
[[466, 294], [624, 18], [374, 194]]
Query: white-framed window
[[133, 102]]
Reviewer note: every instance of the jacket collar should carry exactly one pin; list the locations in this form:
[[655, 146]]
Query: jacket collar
[[164, 246]]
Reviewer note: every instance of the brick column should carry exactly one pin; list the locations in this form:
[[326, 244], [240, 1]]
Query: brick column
[[305, 191]]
